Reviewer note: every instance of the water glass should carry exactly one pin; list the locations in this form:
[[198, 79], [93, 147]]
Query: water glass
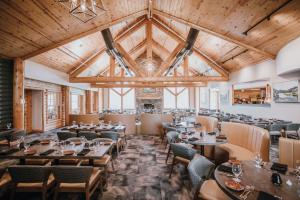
[[237, 171], [26, 145], [8, 125], [258, 160]]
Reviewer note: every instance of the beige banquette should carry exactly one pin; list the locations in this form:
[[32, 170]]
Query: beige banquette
[[151, 124], [209, 124], [86, 118], [245, 141], [289, 151], [127, 119]]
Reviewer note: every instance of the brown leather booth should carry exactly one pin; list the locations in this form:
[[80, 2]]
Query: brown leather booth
[[289, 151], [244, 141], [86, 118], [151, 124], [127, 119]]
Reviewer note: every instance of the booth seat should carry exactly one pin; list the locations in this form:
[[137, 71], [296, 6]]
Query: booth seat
[[245, 141], [209, 124], [289, 151], [127, 119], [84, 118], [151, 124]]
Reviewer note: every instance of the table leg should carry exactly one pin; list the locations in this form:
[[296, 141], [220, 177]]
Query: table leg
[[91, 162], [22, 161], [202, 150]]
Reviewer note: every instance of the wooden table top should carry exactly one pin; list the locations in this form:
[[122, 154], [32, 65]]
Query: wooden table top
[[96, 128], [260, 178], [57, 154]]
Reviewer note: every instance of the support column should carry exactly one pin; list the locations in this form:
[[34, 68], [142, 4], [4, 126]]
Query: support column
[[66, 94], [18, 94], [88, 102]]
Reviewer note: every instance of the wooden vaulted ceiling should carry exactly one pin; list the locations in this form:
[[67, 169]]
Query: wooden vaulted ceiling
[[44, 31]]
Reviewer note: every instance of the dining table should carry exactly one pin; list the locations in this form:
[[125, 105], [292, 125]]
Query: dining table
[[202, 139], [53, 151], [257, 183]]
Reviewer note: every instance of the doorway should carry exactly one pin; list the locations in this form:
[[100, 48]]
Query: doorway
[[33, 111]]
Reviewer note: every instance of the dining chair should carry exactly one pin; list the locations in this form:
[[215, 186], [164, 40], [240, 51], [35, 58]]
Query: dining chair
[[114, 136], [105, 159], [5, 181], [182, 154], [79, 179], [27, 178], [166, 128], [64, 135], [172, 136], [89, 135], [200, 170], [292, 130]]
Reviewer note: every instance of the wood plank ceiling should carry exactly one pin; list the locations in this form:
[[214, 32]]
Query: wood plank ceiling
[[33, 26]]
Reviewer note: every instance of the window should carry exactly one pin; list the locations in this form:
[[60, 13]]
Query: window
[[53, 101], [75, 104], [176, 98], [214, 99], [121, 98]]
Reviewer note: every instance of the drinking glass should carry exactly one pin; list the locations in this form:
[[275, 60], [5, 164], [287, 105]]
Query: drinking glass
[[258, 160], [8, 125], [237, 171], [26, 145]]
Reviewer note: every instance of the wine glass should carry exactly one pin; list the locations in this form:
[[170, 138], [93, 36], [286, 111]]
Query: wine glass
[[74, 123], [8, 125], [26, 145], [237, 171], [258, 160]]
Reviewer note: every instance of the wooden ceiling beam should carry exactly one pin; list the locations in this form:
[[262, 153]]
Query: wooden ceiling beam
[[148, 85], [119, 38], [215, 33], [132, 64], [136, 26], [95, 79], [160, 48], [149, 38], [87, 63], [112, 66], [186, 66], [176, 36], [83, 34], [166, 64]]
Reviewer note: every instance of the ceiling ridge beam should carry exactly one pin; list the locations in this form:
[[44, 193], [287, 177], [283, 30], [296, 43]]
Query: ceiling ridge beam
[[149, 38], [83, 34], [217, 34], [216, 66], [95, 79]]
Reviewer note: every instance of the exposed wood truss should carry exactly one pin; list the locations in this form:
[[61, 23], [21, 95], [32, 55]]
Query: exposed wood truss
[[149, 39], [146, 79], [220, 35], [80, 35], [147, 85]]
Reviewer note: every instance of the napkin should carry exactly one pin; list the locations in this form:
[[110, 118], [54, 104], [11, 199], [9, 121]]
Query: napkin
[[8, 151], [83, 152], [266, 196], [45, 153], [225, 168], [281, 168], [193, 139]]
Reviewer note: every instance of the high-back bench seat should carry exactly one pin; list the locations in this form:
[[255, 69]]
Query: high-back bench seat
[[245, 141]]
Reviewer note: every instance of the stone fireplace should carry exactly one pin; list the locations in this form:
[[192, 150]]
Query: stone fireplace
[[149, 99]]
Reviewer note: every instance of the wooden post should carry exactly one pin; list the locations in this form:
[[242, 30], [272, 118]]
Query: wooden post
[[18, 94], [149, 39], [89, 102], [186, 66], [112, 66], [66, 95], [96, 101]]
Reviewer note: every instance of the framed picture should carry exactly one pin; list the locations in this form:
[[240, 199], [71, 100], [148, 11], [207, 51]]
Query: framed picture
[[149, 90], [286, 92]]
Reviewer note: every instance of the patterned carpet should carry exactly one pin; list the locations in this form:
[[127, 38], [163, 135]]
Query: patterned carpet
[[141, 173]]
